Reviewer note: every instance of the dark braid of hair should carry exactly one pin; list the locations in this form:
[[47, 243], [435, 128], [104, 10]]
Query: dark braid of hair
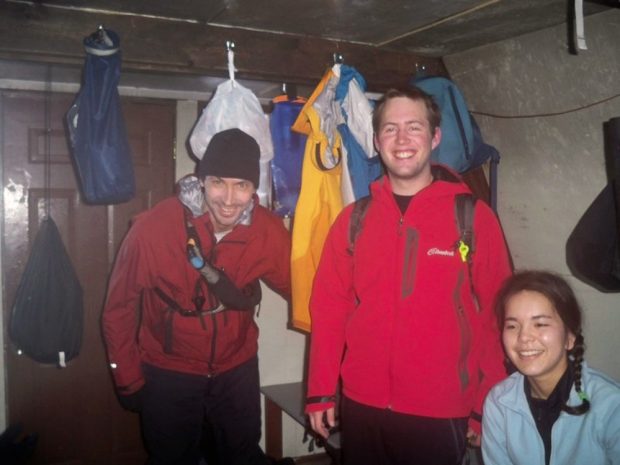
[[576, 357]]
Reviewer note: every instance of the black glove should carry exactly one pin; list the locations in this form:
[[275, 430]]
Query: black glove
[[239, 299], [132, 402]]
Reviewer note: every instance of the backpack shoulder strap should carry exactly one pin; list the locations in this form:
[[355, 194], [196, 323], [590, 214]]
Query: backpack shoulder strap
[[464, 212], [356, 221]]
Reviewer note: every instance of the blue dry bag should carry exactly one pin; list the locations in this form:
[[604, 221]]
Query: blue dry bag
[[96, 127]]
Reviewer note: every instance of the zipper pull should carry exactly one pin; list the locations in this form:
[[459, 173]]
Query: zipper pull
[[463, 251]]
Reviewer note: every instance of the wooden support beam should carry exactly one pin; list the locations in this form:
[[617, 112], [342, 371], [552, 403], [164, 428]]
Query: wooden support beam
[[47, 34]]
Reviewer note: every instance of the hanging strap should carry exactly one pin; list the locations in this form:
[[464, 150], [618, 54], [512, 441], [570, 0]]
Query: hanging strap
[[355, 222], [579, 27], [48, 137], [322, 166]]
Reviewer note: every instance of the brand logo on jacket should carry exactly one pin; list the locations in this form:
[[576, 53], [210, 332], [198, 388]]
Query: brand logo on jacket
[[436, 251]]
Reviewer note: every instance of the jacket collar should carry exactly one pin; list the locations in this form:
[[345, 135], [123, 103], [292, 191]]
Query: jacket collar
[[514, 396], [442, 175]]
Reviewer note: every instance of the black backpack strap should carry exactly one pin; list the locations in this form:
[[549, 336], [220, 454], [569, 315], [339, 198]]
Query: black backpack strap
[[493, 181], [465, 205], [172, 307], [356, 221], [169, 301], [464, 211]]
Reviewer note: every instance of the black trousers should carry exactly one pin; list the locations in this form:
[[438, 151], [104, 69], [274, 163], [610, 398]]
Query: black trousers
[[373, 436], [178, 408]]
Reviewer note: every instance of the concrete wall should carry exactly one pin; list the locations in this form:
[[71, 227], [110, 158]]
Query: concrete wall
[[552, 167]]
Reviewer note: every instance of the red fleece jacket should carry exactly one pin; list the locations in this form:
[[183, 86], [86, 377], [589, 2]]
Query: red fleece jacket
[[153, 255], [402, 307]]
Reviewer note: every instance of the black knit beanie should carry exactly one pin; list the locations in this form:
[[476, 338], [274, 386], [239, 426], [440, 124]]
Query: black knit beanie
[[231, 154]]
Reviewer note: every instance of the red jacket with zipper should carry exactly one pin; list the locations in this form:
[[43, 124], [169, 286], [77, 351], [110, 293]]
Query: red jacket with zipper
[[153, 255], [402, 306]]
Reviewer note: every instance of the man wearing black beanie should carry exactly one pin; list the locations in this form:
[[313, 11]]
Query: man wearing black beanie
[[191, 265], [229, 171]]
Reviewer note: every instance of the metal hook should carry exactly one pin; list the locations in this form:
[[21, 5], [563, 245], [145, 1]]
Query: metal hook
[[100, 35], [420, 70], [338, 58], [290, 90], [230, 45]]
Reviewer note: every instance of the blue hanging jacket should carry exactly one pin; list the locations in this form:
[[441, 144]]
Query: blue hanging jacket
[[97, 131], [288, 154], [363, 167]]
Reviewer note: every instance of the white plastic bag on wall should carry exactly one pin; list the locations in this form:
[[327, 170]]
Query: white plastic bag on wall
[[235, 106]]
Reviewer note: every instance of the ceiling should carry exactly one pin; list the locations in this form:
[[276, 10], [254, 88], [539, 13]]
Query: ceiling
[[424, 27], [178, 45]]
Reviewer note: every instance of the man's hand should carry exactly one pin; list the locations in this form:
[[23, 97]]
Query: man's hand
[[322, 421], [473, 439]]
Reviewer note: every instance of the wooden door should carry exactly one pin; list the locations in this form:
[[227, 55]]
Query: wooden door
[[73, 410]]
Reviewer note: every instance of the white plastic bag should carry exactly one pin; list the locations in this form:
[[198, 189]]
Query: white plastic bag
[[235, 106]]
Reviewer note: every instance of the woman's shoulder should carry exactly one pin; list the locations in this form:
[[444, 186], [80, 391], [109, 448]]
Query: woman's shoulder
[[507, 388], [601, 384]]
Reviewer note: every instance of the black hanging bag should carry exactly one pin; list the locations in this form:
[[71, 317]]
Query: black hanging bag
[[593, 248], [47, 317], [592, 252]]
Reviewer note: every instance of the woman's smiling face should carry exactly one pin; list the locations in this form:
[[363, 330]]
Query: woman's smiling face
[[536, 340]]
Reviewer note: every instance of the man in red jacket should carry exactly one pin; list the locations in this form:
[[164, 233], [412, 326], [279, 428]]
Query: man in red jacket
[[179, 315], [398, 315]]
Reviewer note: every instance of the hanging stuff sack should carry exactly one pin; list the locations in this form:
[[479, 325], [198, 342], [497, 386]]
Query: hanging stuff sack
[[236, 106], [97, 133], [461, 146], [47, 315]]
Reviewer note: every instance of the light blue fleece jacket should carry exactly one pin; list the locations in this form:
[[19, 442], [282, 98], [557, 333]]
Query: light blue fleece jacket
[[510, 436]]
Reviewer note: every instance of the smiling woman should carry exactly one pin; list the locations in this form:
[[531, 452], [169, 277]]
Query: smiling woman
[[540, 320], [536, 340]]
